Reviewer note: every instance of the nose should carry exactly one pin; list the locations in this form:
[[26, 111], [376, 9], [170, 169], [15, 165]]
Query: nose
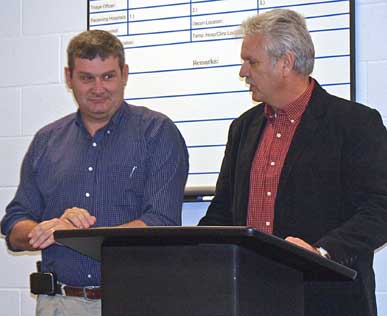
[[98, 86], [243, 72]]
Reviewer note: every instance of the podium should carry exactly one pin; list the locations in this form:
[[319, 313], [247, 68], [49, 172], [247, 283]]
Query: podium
[[200, 271]]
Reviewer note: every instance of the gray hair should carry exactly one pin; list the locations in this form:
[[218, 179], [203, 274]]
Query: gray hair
[[95, 43], [284, 31]]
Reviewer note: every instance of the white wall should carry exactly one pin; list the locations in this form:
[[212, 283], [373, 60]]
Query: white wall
[[33, 38], [371, 17]]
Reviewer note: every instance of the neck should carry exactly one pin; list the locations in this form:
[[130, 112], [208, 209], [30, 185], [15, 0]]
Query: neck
[[93, 127], [94, 123], [291, 91]]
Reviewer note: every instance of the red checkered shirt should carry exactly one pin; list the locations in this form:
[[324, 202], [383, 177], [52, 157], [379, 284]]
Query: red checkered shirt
[[269, 159]]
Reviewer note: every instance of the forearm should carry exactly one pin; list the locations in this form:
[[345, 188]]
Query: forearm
[[18, 236]]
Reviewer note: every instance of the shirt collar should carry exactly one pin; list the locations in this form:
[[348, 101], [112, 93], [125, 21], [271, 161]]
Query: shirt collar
[[295, 109], [114, 121]]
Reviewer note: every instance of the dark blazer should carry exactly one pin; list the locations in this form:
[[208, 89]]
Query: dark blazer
[[332, 193]]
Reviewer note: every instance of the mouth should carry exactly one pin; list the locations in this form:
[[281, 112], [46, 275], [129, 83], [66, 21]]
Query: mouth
[[248, 82], [98, 100]]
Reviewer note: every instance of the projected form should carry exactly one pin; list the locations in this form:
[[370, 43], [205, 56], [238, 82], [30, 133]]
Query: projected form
[[184, 60]]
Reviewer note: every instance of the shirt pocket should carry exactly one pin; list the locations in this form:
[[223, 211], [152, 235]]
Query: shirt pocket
[[127, 182]]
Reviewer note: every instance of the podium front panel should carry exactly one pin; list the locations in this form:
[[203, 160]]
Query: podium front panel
[[197, 280]]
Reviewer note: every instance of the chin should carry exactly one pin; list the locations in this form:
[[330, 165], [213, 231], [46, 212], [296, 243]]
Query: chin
[[256, 98], [99, 104]]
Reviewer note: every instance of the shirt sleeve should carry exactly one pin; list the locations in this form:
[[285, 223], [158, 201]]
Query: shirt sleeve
[[167, 164], [28, 202]]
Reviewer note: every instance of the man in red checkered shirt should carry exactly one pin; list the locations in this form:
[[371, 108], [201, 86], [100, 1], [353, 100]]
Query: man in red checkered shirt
[[305, 165]]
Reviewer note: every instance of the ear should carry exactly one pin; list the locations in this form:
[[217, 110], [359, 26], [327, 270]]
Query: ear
[[288, 60], [125, 72], [68, 77]]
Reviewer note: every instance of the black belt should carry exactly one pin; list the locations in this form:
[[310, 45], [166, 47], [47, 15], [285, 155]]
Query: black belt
[[88, 292]]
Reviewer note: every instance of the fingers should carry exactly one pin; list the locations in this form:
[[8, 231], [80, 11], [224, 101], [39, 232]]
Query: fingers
[[42, 235], [79, 217], [47, 242], [301, 243]]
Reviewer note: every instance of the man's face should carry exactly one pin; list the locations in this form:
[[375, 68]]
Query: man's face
[[98, 86], [263, 77]]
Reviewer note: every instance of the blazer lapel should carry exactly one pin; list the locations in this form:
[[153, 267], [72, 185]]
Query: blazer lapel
[[305, 133], [250, 136]]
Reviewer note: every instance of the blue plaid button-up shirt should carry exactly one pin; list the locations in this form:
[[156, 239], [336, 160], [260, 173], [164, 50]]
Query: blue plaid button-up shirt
[[134, 168]]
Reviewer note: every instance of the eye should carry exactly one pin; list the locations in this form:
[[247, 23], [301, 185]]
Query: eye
[[108, 76], [253, 62], [250, 62], [86, 78]]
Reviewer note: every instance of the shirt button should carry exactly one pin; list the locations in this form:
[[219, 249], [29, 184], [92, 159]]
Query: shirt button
[[268, 193], [267, 223], [272, 163], [94, 144], [90, 169], [87, 194], [89, 276], [108, 131], [278, 135], [292, 121]]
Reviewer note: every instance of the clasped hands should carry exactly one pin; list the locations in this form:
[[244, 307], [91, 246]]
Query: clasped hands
[[42, 235]]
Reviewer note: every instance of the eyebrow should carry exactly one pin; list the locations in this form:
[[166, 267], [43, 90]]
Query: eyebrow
[[104, 73], [249, 58]]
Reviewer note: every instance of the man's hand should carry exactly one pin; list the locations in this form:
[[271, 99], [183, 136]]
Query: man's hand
[[301, 243], [79, 217], [42, 235], [30, 235]]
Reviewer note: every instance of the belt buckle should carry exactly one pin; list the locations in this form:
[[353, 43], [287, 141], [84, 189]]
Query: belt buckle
[[85, 296]]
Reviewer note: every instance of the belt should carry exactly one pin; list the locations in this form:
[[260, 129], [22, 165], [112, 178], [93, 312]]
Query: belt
[[88, 292]]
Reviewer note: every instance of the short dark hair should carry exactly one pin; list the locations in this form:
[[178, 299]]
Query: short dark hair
[[93, 43]]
